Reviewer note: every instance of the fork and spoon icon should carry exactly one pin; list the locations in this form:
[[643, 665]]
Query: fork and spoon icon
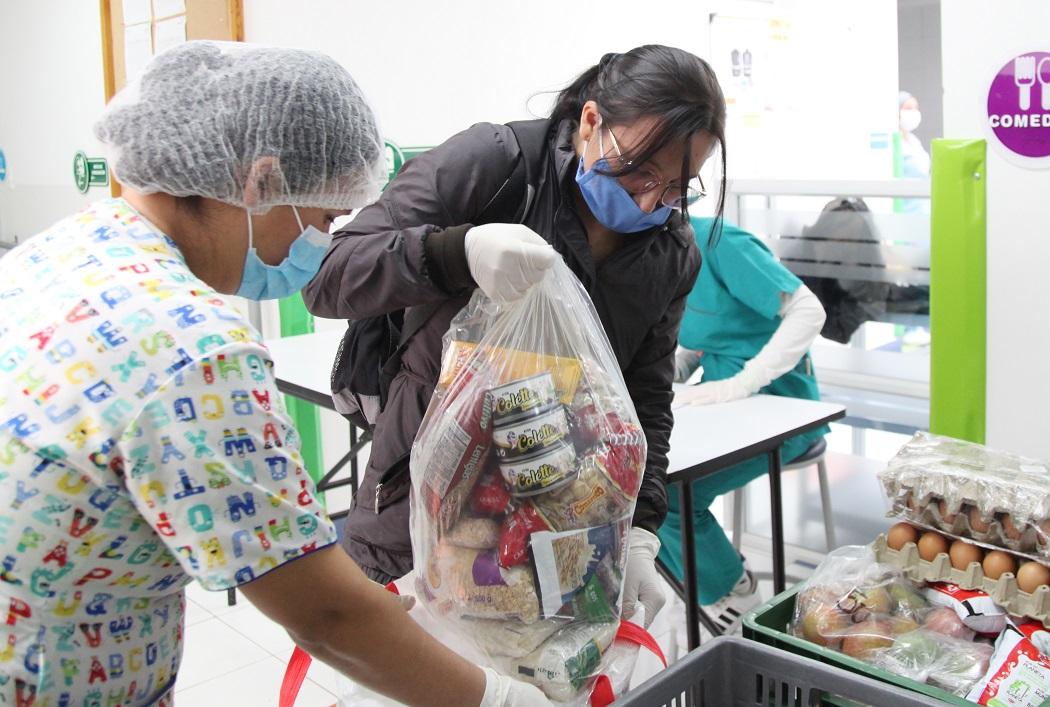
[[1025, 74]]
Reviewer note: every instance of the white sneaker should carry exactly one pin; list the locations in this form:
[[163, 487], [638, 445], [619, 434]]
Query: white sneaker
[[728, 612]]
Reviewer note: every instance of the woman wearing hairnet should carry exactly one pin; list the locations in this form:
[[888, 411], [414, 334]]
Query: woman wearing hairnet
[[143, 442]]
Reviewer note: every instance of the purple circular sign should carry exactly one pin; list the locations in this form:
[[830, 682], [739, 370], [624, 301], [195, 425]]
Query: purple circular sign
[[1019, 105]]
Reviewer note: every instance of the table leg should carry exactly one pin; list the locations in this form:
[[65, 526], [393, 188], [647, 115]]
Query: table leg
[[777, 519], [689, 548]]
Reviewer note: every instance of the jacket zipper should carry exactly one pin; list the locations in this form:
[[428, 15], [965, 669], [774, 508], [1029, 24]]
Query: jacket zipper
[[379, 488]]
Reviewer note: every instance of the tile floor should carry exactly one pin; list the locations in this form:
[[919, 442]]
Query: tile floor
[[236, 656]]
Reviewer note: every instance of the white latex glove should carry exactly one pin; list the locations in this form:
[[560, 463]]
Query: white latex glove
[[802, 317], [502, 691], [506, 259], [641, 583], [686, 361], [722, 391]]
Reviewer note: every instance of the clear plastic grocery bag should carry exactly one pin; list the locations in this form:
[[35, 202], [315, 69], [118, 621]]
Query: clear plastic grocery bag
[[525, 473], [872, 612]]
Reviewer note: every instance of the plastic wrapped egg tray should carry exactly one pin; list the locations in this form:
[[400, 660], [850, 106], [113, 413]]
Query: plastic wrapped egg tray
[[1003, 591], [971, 491]]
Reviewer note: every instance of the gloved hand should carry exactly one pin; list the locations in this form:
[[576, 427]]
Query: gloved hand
[[506, 259], [723, 391], [503, 691], [686, 361], [641, 584]]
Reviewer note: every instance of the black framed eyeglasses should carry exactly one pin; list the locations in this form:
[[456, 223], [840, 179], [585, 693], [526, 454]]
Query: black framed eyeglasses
[[643, 181]]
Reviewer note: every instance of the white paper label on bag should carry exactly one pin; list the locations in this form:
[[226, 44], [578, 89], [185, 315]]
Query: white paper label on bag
[[565, 561], [444, 454]]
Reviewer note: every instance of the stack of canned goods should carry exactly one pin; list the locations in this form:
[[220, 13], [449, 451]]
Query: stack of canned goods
[[531, 435]]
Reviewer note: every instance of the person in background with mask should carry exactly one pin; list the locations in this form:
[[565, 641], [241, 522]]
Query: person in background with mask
[[620, 156], [144, 443], [915, 161], [750, 323]]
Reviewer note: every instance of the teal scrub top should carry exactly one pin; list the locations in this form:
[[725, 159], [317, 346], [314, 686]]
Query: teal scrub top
[[732, 311]]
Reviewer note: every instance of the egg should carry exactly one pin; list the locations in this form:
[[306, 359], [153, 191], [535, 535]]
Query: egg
[[1012, 530], [963, 553], [932, 544], [997, 562], [900, 535], [978, 524], [1031, 576], [946, 516]]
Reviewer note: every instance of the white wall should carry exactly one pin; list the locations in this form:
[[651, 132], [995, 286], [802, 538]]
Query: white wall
[[51, 90], [979, 37], [433, 68]]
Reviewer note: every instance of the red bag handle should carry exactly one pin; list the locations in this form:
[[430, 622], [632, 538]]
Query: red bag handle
[[294, 675], [601, 695]]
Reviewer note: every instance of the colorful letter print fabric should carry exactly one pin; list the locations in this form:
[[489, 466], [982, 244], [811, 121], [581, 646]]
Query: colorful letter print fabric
[[143, 445]]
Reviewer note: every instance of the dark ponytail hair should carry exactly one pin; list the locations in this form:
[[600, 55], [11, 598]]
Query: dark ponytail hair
[[676, 87]]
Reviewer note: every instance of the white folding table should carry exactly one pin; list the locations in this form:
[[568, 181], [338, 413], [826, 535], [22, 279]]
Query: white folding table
[[708, 439]]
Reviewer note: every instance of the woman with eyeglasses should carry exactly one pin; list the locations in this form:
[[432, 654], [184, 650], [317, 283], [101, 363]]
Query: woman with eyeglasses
[[608, 180]]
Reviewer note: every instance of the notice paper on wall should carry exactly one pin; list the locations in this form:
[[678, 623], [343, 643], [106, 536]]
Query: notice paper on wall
[[170, 32], [138, 49]]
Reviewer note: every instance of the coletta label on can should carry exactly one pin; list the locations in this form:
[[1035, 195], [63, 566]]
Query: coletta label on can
[[537, 473], [522, 398], [532, 434]]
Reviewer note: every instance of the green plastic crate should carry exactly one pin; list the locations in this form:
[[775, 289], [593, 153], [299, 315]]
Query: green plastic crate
[[768, 624]]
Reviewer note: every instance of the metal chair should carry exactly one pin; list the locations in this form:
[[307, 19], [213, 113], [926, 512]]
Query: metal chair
[[813, 455]]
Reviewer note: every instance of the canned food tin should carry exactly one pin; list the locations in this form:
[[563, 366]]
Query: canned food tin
[[523, 397], [532, 434], [538, 473]]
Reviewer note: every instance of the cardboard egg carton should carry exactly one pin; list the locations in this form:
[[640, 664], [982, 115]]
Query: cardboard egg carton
[[966, 520], [972, 491], [1003, 591]]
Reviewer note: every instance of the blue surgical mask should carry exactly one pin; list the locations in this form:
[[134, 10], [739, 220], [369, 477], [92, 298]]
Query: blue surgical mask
[[261, 281], [611, 204]]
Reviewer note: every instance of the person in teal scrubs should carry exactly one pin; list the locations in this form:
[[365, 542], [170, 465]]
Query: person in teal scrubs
[[749, 322]]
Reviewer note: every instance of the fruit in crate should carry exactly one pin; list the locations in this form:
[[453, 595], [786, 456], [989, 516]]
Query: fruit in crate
[[944, 620], [825, 626], [867, 636], [909, 602]]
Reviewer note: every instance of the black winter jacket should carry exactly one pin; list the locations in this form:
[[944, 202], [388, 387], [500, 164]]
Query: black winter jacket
[[408, 249]]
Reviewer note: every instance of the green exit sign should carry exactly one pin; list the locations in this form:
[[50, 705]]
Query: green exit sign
[[396, 157]]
